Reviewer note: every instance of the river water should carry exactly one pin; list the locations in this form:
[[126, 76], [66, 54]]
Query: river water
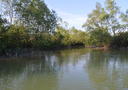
[[74, 69]]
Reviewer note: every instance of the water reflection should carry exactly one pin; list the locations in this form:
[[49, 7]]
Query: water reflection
[[75, 69], [108, 70]]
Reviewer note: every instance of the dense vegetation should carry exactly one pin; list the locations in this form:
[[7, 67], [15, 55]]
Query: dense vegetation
[[31, 24]]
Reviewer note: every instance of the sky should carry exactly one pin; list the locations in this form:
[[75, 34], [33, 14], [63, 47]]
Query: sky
[[75, 12]]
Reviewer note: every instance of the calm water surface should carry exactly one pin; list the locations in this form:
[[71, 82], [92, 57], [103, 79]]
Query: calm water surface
[[76, 69]]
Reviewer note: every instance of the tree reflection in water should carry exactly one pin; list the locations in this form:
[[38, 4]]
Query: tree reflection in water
[[107, 70], [73, 69]]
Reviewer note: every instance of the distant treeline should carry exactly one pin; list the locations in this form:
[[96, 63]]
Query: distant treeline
[[30, 24]]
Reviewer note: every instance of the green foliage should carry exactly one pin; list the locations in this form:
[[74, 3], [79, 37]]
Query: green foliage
[[104, 17], [71, 37], [64, 36], [2, 25], [97, 19], [17, 37], [36, 16], [42, 41], [8, 7], [35, 27], [13, 39], [2, 35], [78, 37], [124, 17], [99, 37], [120, 40], [104, 22]]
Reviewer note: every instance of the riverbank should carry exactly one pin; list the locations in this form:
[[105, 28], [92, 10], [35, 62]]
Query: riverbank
[[32, 51]]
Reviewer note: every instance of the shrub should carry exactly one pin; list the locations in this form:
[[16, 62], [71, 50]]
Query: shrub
[[120, 40], [99, 37]]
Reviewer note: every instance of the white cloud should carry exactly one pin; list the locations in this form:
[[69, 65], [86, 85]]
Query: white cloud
[[75, 20]]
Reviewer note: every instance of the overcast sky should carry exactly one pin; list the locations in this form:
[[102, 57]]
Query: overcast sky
[[75, 12]]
